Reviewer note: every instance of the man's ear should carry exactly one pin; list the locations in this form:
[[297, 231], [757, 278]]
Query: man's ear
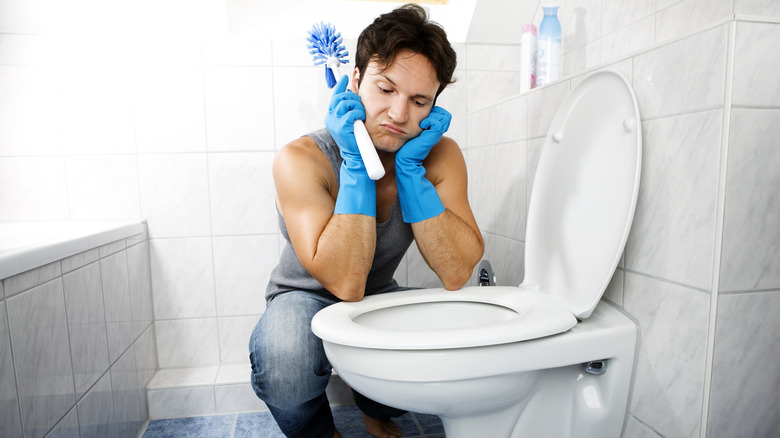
[[355, 83]]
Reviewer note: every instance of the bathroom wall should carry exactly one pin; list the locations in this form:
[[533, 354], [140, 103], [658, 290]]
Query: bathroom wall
[[155, 110], [700, 270], [77, 344]]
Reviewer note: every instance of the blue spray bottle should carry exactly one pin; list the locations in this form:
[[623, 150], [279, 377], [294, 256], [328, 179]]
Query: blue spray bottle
[[548, 67]]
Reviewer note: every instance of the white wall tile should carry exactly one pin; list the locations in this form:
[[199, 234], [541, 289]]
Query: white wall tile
[[751, 227], [506, 257], [242, 193], [769, 8], [301, 99], [67, 427], [184, 402], [33, 189], [673, 233], [184, 343], [29, 102], [20, 49], [543, 105], [86, 325], [116, 297], [96, 410], [242, 267], [139, 275], [757, 50], [39, 336], [237, 50], [485, 88], [96, 109], [682, 77], [685, 17], [126, 395], [10, 421], [510, 195], [482, 187], [103, 187], [669, 380], [629, 39], [419, 273], [174, 194], [491, 57], [239, 108], [454, 100], [182, 278], [234, 332], [580, 22], [146, 357], [616, 14], [744, 399], [169, 109], [237, 398]]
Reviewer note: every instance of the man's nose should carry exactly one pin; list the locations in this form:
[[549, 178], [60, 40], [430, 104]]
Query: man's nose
[[399, 111]]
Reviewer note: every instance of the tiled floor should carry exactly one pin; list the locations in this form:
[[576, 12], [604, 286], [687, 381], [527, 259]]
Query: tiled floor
[[348, 419]]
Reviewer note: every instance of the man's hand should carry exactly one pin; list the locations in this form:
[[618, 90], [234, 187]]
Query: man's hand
[[419, 199], [357, 192]]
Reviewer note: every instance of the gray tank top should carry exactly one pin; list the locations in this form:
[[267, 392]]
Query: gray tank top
[[393, 238]]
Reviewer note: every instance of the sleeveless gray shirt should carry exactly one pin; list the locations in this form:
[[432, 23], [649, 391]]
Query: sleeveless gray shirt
[[393, 238]]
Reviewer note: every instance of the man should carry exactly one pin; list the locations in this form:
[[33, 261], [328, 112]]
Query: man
[[346, 234]]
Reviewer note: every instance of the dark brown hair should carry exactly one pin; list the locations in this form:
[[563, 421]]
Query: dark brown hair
[[406, 28]]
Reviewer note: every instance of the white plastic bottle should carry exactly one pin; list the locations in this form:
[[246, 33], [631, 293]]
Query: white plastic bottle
[[549, 51], [528, 57]]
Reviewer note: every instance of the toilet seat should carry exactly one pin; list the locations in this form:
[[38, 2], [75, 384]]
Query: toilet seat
[[405, 320], [580, 212]]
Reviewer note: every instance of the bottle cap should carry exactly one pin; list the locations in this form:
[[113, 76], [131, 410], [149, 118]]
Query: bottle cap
[[529, 28]]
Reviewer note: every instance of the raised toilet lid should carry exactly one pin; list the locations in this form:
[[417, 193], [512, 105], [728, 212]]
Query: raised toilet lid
[[584, 193]]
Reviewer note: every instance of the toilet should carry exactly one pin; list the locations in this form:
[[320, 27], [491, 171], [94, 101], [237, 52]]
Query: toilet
[[545, 358]]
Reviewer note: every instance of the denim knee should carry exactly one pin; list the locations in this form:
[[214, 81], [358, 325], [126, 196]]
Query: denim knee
[[289, 366]]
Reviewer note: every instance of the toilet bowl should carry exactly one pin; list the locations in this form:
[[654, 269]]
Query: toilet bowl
[[547, 357]]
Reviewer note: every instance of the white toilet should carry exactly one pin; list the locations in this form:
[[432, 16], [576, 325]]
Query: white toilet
[[543, 359]]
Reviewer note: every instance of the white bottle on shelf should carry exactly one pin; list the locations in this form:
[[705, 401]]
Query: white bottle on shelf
[[549, 50], [528, 57]]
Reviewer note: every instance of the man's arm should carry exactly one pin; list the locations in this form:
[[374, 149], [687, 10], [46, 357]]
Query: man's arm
[[336, 249], [450, 242]]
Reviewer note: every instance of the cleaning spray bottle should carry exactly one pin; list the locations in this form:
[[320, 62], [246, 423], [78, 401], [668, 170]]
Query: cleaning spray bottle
[[549, 52], [528, 57]]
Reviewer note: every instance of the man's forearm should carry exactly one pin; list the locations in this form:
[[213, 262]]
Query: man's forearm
[[344, 254], [450, 247]]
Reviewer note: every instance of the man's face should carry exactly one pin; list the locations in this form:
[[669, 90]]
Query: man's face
[[396, 99]]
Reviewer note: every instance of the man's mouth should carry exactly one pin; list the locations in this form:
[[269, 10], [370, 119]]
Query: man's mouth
[[393, 129]]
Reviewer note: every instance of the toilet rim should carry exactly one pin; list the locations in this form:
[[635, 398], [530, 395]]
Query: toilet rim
[[537, 315]]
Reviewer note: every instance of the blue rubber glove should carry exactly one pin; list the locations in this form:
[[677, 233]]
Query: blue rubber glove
[[357, 192], [418, 197]]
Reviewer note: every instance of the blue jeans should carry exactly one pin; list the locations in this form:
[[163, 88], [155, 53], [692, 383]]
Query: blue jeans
[[290, 370]]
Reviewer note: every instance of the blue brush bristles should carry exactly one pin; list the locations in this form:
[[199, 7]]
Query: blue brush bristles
[[325, 46]]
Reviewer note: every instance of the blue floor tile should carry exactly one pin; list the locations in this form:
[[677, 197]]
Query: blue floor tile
[[349, 422], [348, 419], [196, 427], [257, 425], [430, 424]]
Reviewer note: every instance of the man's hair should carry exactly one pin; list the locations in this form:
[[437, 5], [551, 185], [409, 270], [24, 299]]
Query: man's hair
[[406, 28]]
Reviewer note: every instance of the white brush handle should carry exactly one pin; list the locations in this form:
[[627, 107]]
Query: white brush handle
[[366, 147], [368, 152]]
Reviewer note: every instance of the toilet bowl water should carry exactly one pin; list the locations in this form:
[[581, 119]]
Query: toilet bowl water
[[493, 361]]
